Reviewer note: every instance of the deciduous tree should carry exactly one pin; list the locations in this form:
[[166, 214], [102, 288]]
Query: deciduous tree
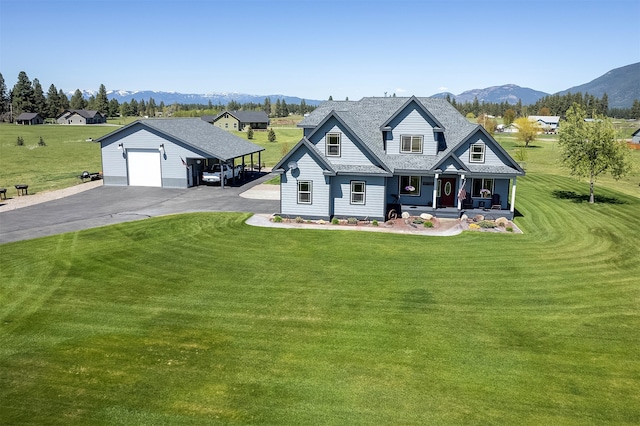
[[590, 149], [527, 130], [508, 116]]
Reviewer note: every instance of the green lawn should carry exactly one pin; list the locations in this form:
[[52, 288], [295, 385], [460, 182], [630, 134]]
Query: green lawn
[[286, 138], [201, 319]]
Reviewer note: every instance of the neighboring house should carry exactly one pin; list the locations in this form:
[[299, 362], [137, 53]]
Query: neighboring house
[[511, 128], [170, 153], [548, 123], [635, 138], [29, 118], [81, 116], [238, 120], [359, 159]]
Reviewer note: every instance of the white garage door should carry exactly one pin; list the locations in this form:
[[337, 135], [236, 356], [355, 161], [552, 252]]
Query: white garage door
[[144, 168]]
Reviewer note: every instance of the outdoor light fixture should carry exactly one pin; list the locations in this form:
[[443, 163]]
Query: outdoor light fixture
[[198, 161], [120, 146], [161, 147]]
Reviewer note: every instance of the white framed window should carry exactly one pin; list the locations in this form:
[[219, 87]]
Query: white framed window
[[305, 190], [476, 153], [411, 144], [410, 185], [482, 188], [333, 144], [358, 192]]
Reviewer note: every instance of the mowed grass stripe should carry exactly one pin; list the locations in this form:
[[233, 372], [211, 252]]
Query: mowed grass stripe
[[200, 318]]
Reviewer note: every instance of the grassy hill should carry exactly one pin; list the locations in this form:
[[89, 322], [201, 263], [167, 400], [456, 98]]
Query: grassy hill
[[201, 319]]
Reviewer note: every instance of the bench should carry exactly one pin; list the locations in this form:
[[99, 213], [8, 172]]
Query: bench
[[22, 189]]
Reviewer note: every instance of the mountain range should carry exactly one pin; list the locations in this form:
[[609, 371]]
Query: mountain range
[[622, 86]]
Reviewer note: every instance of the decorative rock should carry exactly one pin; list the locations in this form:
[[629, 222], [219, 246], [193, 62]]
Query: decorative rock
[[478, 218], [406, 215], [426, 216], [464, 217], [502, 221]]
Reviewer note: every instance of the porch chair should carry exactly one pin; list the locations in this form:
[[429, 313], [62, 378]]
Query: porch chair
[[495, 202]]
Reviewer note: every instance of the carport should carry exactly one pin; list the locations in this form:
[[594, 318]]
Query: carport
[[170, 152]]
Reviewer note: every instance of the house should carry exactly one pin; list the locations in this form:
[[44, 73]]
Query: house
[[635, 138], [548, 123], [420, 155], [81, 116], [169, 152], [238, 120], [511, 128], [29, 118]]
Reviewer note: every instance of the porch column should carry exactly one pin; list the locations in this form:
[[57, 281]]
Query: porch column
[[458, 194], [435, 190], [513, 196]]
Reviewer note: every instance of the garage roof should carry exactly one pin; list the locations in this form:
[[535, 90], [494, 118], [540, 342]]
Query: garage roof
[[199, 134]]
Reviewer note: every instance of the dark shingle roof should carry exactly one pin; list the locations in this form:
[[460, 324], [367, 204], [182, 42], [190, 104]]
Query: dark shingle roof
[[27, 116], [200, 135], [244, 116]]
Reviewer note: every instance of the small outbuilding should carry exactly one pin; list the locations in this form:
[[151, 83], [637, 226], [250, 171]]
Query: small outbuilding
[[239, 120], [29, 118], [170, 152]]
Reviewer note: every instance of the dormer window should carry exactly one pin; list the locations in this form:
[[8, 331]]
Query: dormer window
[[333, 144], [411, 144], [476, 154]]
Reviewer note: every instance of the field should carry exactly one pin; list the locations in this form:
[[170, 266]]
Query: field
[[165, 321]]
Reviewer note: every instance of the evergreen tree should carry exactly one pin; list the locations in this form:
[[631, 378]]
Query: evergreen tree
[[272, 135], [330, 97], [151, 107], [278, 108], [635, 110], [22, 95], [142, 107], [267, 106], [39, 101], [114, 108], [64, 101], [125, 109], [102, 103], [133, 107], [4, 99], [77, 100], [53, 102], [249, 133], [284, 109], [91, 103], [303, 107]]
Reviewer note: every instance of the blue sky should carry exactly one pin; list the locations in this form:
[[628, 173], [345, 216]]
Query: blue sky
[[316, 48]]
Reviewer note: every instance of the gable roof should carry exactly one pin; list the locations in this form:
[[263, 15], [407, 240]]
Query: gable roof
[[637, 132], [27, 116], [279, 167], [81, 112], [242, 116], [551, 119], [368, 117], [198, 134]]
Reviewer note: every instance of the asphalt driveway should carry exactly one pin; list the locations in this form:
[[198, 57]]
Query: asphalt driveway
[[107, 205]]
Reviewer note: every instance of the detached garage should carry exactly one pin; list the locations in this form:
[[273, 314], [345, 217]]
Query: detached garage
[[170, 153]]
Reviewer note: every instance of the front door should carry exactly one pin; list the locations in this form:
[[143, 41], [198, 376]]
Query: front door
[[448, 191]]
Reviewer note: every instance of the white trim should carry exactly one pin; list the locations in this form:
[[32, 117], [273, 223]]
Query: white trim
[[363, 192], [309, 191], [328, 145], [420, 138], [483, 148]]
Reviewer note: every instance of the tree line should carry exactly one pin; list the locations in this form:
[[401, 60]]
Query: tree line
[[28, 96]]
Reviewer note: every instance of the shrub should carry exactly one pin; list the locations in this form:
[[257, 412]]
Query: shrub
[[428, 224], [418, 221], [374, 223], [509, 229], [474, 226], [19, 141], [41, 142], [335, 221], [249, 133], [277, 218], [352, 221], [299, 220], [321, 222], [486, 224], [272, 135]]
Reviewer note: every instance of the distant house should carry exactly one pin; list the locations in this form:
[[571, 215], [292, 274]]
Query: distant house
[[548, 123], [81, 116], [511, 128], [238, 120], [29, 118], [635, 138]]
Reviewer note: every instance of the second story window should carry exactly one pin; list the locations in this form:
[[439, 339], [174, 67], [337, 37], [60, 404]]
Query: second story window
[[476, 154], [333, 144], [411, 144]]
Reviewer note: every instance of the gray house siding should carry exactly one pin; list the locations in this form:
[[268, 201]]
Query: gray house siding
[[412, 122], [308, 170], [114, 160], [350, 152], [426, 191], [492, 157], [374, 197]]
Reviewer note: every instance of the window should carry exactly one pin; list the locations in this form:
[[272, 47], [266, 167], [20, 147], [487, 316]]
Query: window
[[410, 185], [476, 154], [304, 192], [357, 192], [333, 144], [411, 144], [226, 125], [482, 188]]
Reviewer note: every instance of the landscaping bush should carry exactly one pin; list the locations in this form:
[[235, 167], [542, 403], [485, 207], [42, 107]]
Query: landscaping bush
[[374, 223], [335, 221], [352, 221], [41, 142], [486, 224], [19, 141], [277, 218], [428, 224], [299, 220]]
